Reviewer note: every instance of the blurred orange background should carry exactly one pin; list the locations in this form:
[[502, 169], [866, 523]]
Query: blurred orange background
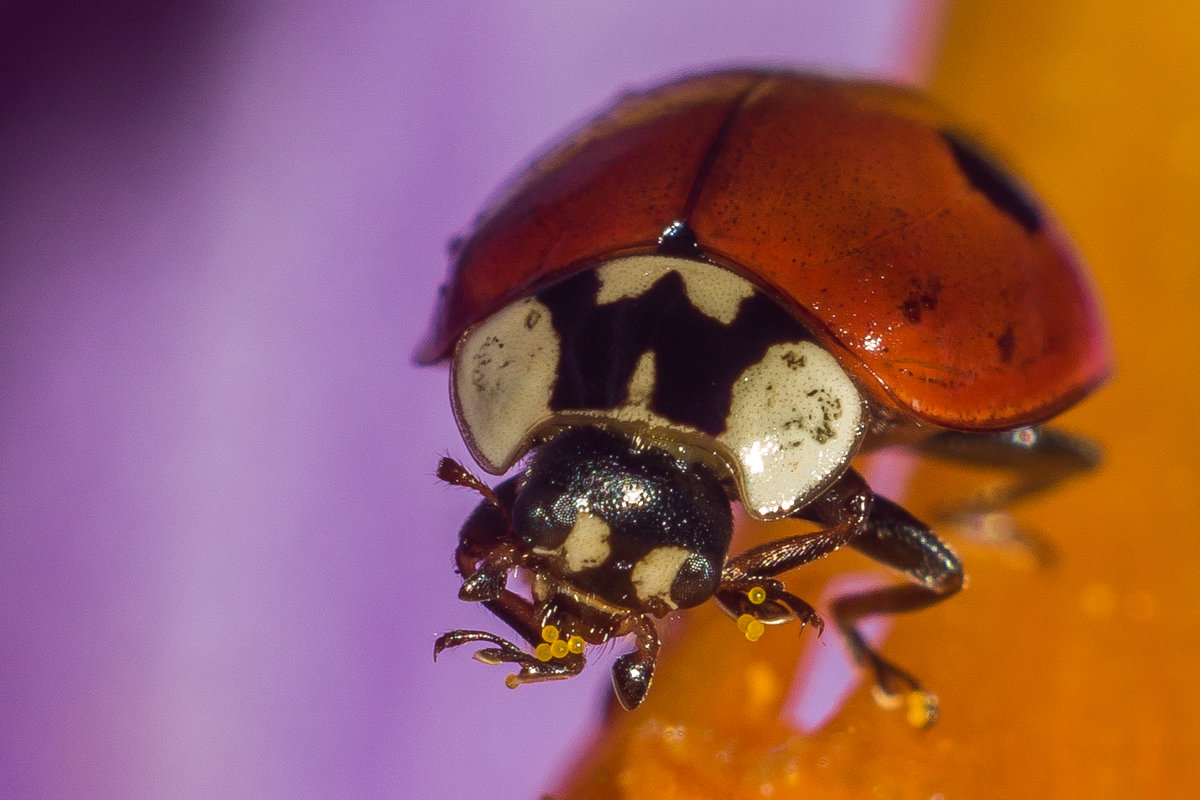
[[1078, 678]]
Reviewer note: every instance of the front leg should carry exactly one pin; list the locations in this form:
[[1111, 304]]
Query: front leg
[[487, 545], [633, 672], [757, 602], [486, 551], [748, 592], [553, 659]]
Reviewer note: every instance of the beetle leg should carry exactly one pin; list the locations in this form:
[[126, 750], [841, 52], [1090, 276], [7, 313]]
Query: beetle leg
[[896, 538], [844, 507], [487, 547], [504, 651], [1043, 457], [880, 529], [1040, 458], [486, 551], [518, 613], [765, 600], [533, 669], [633, 672]]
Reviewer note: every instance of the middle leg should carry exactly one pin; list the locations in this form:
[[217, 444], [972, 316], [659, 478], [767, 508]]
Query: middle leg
[[896, 538]]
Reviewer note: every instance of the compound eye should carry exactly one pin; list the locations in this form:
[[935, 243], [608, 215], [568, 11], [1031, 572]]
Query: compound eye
[[544, 515], [542, 529], [695, 582]]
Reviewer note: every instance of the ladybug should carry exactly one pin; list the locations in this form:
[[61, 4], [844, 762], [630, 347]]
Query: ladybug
[[722, 290]]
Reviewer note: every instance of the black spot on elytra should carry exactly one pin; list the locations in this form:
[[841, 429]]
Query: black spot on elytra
[[921, 298], [697, 359], [1006, 343], [998, 186]]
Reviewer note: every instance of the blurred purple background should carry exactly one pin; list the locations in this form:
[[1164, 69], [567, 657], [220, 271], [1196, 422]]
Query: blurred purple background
[[223, 555]]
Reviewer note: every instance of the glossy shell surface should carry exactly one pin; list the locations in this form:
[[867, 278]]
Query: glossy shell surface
[[939, 284]]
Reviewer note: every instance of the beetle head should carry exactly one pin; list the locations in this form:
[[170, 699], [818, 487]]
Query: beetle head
[[616, 522]]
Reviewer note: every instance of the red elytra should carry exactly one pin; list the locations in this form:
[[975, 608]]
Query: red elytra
[[943, 289]]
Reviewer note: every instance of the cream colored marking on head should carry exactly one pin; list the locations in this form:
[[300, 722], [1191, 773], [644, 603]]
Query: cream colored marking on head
[[587, 543], [503, 376], [586, 546], [794, 423], [653, 576], [715, 292]]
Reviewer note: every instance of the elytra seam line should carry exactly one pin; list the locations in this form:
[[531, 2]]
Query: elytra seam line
[[714, 149]]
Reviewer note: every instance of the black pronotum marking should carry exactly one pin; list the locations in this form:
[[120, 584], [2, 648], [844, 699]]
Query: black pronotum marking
[[697, 358], [999, 187]]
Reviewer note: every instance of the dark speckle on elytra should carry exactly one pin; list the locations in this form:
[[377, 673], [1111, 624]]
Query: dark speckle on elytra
[[1006, 343], [920, 298]]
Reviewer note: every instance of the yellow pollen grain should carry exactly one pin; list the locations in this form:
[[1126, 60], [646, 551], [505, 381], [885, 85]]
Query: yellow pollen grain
[[921, 709], [750, 626]]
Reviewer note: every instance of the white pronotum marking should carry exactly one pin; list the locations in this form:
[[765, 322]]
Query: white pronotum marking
[[795, 417], [715, 292], [504, 372], [794, 422], [641, 383]]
